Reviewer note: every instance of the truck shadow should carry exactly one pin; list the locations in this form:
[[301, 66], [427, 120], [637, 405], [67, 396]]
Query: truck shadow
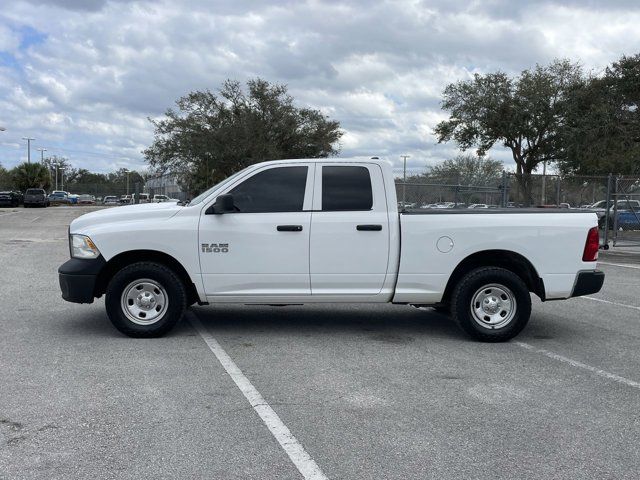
[[393, 324], [386, 323]]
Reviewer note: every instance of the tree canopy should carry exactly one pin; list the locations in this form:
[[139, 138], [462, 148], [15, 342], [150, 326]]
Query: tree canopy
[[30, 175], [211, 136], [468, 169], [601, 133], [523, 114]]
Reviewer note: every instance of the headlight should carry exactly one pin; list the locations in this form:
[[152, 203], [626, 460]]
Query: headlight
[[82, 247]]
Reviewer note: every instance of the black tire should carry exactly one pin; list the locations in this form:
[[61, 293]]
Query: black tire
[[515, 295], [174, 295]]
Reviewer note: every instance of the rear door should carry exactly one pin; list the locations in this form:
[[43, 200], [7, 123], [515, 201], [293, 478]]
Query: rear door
[[349, 230]]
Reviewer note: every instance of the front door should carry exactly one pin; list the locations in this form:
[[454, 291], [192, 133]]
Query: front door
[[349, 231], [262, 249]]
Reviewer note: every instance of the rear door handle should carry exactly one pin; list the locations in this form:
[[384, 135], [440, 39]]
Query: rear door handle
[[289, 228], [369, 228]]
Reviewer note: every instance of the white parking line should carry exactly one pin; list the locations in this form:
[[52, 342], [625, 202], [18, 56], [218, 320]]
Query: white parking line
[[298, 455], [584, 366], [633, 307], [31, 221], [636, 267], [7, 213]]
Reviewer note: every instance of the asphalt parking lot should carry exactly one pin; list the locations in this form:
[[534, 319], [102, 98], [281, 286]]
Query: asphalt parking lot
[[367, 391]]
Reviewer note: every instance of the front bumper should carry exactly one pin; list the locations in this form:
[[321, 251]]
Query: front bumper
[[588, 282], [78, 278]]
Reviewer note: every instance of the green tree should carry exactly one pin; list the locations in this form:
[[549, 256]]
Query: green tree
[[59, 166], [119, 179], [601, 133], [211, 136], [5, 179], [468, 169], [523, 114], [30, 175]]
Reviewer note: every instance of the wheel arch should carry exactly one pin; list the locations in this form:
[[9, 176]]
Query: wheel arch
[[123, 259], [507, 259]]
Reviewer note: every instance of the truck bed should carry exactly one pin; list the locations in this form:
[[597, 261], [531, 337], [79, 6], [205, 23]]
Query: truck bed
[[480, 211], [436, 241]]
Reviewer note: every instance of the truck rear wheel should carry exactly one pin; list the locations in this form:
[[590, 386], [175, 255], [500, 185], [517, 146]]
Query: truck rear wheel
[[491, 304], [145, 299]]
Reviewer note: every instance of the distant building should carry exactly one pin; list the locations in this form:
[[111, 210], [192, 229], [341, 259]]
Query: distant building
[[165, 184]]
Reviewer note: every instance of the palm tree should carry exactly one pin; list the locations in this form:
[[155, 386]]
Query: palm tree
[[30, 175]]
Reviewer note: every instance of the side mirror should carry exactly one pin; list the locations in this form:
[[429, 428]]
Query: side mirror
[[223, 204]]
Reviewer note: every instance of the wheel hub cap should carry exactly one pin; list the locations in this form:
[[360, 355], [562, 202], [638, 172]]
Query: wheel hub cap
[[493, 306], [144, 301]]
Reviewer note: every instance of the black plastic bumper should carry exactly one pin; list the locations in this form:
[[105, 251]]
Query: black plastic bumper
[[78, 279], [588, 282]]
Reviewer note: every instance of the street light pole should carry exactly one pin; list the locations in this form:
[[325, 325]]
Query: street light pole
[[544, 181], [28, 139], [128, 172], [42, 150], [56, 164], [404, 181]]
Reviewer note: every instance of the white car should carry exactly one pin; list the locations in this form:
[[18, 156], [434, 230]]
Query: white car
[[163, 198], [110, 200], [326, 231]]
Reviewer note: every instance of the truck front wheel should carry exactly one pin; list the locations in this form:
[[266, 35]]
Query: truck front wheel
[[491, 304], [145, 299]]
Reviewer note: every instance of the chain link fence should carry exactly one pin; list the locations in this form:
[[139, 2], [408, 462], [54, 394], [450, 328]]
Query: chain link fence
[[614, 199], [162, 184]]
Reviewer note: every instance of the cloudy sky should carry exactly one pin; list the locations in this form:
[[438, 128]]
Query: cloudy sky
[[82, 76]]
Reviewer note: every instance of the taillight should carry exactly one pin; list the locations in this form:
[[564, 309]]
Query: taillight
[[590, 253]]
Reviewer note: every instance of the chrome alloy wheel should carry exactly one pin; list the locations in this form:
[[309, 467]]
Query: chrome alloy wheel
[[144, 301], [493, 306]]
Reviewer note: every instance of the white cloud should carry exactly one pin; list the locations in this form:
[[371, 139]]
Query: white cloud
[[9, 40], [83, 76]]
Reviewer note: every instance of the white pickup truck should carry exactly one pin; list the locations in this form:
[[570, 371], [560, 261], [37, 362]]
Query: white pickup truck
[[326, 231]]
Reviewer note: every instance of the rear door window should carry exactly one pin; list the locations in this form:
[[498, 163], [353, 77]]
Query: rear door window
[[346, 188]]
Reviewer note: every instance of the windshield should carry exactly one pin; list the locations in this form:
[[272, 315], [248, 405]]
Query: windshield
[[217, 186], [34, 191]]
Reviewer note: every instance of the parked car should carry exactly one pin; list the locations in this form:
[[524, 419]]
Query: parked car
[[143, 198], [36, 197], [110, 200], [337, 237], [86, 200], [600, 206], [10, 199], [478, 205], [163, 198], [628, 220], [445, 205], [125, 200], [59, 197], [622, 205], [73, 198], [20, 196]]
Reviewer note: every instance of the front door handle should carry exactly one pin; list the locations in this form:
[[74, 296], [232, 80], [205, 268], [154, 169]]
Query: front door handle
[[289, 228], [369, 228]]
